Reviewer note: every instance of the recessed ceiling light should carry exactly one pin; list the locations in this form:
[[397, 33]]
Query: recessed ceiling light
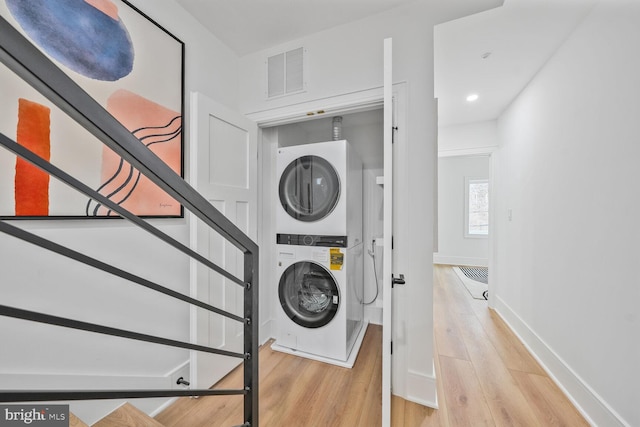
[[473, 97]]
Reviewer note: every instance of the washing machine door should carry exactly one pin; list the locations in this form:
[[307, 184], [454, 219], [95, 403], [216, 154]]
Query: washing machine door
[[309, 188], [308, 294]]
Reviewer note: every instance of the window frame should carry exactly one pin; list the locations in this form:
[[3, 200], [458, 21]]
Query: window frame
[[468, 181]]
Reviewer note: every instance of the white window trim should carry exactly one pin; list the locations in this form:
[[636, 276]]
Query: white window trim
[[467, 181]]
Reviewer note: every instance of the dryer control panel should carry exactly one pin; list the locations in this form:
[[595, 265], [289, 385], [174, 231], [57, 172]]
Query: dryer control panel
[[312, 240]]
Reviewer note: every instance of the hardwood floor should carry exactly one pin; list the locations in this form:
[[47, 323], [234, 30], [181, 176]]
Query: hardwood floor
[[296, 392], [127, 415], [486, 378], [75, 421]]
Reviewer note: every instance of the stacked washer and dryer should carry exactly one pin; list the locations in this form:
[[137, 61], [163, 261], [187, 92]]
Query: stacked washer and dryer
[[320, 311]]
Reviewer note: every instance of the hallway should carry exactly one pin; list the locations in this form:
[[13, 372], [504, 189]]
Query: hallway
[[487, 376]]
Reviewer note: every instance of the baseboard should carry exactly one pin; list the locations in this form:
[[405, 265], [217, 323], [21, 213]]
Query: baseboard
[[91, 411], [182, 371], [595, 410], [421, 389], [459, 260]]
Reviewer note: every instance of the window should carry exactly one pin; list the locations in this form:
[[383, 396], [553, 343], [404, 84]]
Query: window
[[476, 207]]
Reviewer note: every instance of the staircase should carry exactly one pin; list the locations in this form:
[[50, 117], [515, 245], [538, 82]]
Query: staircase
[[127, 415], [75, 421], [26, 61]]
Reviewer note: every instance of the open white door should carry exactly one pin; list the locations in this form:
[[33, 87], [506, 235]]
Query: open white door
[[387, 265], [224, 170]]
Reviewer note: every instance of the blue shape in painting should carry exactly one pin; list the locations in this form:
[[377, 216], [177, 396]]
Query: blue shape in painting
[[78, 35]]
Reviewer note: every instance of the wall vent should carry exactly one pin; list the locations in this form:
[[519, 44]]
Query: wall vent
[[285, 73]]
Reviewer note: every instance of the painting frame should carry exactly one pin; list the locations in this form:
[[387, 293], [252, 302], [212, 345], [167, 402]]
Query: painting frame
[[152, 112]]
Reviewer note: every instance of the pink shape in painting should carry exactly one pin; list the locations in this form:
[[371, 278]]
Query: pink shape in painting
[[160, 129], [105, 6]]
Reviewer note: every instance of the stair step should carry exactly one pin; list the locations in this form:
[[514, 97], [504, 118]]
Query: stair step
[[75, 421], [127, 415]]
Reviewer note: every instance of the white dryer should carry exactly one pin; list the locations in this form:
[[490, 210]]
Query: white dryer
[[319, 311], [320, 190]]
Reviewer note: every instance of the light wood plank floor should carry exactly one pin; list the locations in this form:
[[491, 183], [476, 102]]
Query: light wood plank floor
[[486, 378], [296, 392], [127, 415]]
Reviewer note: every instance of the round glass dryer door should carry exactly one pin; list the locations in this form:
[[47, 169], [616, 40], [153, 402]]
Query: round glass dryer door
[[309, 188], [308, 294]]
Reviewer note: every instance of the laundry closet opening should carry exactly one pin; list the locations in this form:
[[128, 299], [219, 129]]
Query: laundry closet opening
[[364, 132]]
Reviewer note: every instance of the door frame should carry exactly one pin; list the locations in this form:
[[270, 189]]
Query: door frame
[[492, 259], [352, 102], [343, 104], [267, 120]]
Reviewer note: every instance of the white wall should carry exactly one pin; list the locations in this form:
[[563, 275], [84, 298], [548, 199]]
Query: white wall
[[35, 279], [211, 67], [348, 59], [453, 247], [567, 168], [468, 138], [372, 199]]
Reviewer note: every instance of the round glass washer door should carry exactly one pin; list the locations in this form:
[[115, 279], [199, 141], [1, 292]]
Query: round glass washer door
[[309, 188], [308, 294]]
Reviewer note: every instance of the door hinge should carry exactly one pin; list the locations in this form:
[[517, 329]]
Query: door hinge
[[393, 134], [391, 347]]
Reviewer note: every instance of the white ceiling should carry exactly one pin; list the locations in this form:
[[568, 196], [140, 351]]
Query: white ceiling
[[249, 26], [520, 37]]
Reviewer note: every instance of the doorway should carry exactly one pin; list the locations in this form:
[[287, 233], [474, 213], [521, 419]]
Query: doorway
[[363, 129], [343, 105], [463, 219]]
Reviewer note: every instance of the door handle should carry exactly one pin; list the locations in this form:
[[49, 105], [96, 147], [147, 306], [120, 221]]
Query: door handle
[[397, 280]]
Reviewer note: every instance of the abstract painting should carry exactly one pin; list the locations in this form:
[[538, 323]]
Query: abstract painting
[[131, 66]]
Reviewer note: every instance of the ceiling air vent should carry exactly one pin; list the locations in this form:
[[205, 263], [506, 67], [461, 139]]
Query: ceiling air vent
[[285, 73]]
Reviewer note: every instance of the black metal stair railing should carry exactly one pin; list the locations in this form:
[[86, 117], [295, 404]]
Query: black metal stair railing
[[26, 61]]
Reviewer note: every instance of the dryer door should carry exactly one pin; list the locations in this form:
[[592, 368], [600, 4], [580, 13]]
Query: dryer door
[[309, 188], [308, 294]]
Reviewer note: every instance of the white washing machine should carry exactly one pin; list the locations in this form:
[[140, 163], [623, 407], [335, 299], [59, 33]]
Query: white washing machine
[[319, 310], [320, 190]]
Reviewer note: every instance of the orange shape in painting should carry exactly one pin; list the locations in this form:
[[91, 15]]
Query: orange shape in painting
[[160, 129], [31, 183]]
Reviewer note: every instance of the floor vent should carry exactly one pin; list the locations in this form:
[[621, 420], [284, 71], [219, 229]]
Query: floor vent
[[285, 73], [479, 274]]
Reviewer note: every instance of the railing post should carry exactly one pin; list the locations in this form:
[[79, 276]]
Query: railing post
[[251, 339]]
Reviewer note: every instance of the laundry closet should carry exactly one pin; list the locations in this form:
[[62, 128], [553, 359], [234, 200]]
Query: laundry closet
[[322, 222]]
